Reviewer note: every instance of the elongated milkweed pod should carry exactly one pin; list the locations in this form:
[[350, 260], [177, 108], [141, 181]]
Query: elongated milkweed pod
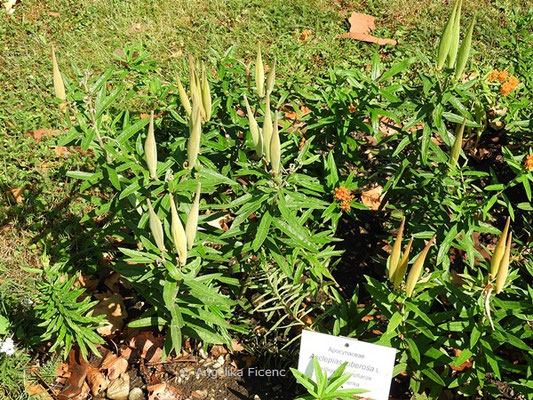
[[416, 269], [503, 271], [254, 129], [206, 94], [402, 266], [157, 228], [464, 50], [457, 145], [271, 78], [195, 130], [59, 86], [150, 149], [192, 75], [183, 98], [275, 147], [396, 250], [259, 73], [178, 233], [446, 39], [192, 219], [456, 32], [267, 129], [499, 251]]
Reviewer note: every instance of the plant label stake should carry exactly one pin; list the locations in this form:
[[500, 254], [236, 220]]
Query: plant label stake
[[370, 364]]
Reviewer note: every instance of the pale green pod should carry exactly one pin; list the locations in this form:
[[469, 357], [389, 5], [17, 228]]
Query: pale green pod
[[260, 73], [456, 32], [267, 129], [271, 78], [192, 219], [195, 130], [59, 86], [446, 39], [416, 269], [396, 250], [192, 76], [183, 98], [497, 255], [197, 95], [150, 149], [157, 228], [464, 50], [254, 129], [275, 148], [178, 233], [457, 145], [503, 271], [402, 266], [206, 94]]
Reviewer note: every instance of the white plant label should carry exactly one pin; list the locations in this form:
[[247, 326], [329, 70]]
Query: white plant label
[[370, 364]]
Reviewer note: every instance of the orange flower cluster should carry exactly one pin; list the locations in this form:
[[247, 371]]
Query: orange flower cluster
[[344, 196], [509, 86], [498, 75], [529, 162], [502, 76]]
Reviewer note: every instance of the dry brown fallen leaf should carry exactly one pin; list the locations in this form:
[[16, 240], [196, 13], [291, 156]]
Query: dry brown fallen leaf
[[84, 394], [119, 388], [97, 380], [77, 367], [237, 346], [165, 391], [114, 310], [360, 26], [60, 150], [16, 194], [149, 347], [38, 134], [37, 392], [372, 198], [114, 365]]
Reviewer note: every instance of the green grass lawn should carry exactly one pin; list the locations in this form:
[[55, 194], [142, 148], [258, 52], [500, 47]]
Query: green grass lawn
[[87, 32]]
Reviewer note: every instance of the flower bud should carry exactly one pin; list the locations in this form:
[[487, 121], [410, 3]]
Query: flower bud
[[192, 219], [157, 228], [150, 149]]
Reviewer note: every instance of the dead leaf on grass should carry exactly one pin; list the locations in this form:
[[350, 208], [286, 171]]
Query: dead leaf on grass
[[114, 365], [360, 26], [165, 391], [37, 392], [60, 150], [114, 310], [39, 134], [16, 194], [372, 198]]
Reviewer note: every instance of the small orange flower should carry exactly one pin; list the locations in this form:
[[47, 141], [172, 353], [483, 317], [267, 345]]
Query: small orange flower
[[529, 162], [342, 194], [509, 86], [493, 75], [502, 76], [345, 206], [351, 109]]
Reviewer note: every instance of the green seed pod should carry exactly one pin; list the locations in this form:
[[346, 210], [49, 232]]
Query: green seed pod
[[457, 145], [260, 73], [464, 50], [157, 228], [254, 129], [192, 219], [402, 267], [396, 250], [446, 39], [192, 76], [456, 33], [178, 233], [183, 97], [59, 86], [206, 94], [150, 149], [416, 269], [195, 130], [503, 271], [271, 78], [267, 129], [498, 251], [275, 148]]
